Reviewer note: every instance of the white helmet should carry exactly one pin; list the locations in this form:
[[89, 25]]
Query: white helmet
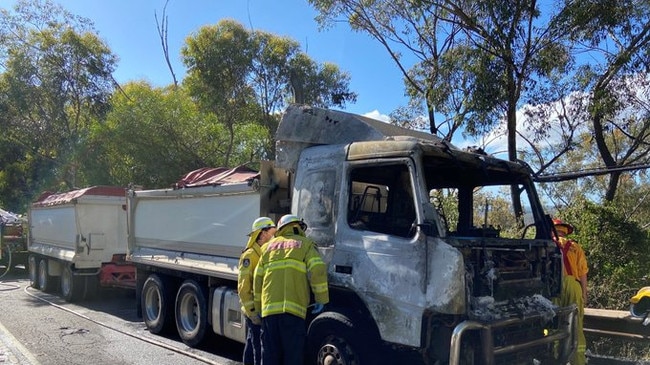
[[261, 223], [290, 218]]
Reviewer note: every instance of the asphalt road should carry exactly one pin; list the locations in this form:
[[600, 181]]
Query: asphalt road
[[38, 328]]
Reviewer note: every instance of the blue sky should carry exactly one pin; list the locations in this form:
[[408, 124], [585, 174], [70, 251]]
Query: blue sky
[[129, 29]]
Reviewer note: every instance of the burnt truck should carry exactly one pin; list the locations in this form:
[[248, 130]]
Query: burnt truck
[[427, 260], [77, 242]]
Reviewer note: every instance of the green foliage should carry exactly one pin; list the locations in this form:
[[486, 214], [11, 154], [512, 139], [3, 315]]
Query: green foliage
[[13, 175], [243, 76], [618, 256], [492, 208], [446, 203], [55, 83], [623, 29], [619, 348], [319, 85], [153, 136], [219, 60], [469, 63], [616, 249], [270, 69], [65, 127]]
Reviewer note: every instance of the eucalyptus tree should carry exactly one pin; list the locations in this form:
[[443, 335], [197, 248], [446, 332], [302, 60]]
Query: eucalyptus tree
[[219, 59], [614, 37], [469, 63], [282, 74], [247, 76], [14, 178], [153, 136], [56, 80], [473, 63]]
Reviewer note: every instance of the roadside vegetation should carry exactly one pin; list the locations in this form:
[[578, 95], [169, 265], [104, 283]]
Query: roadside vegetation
[[564, 83]]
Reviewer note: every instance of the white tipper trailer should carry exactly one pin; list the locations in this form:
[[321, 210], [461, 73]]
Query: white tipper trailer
[[78, 239], [427, 262]]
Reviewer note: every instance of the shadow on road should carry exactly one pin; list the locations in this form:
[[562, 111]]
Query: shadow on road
[[119, 303]]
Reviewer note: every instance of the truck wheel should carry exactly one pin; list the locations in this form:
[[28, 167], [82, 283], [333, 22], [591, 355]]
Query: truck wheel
[[91, 287], [44, 279], [155, 302], [334, 339], [32, 266], [191, 313], [72, 287]]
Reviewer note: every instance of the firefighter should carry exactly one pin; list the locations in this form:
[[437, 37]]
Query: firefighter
[[574, 281], [262, 230], [289, 266]]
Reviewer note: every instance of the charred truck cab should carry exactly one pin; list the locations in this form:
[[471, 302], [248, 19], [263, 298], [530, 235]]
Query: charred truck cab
[[424, 248], [427, 255]]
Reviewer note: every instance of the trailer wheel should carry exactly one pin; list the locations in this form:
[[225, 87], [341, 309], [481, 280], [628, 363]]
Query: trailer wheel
[[334, 339], [44, 279], [191, 313], [155, 302], [32, 266], [72, 287]]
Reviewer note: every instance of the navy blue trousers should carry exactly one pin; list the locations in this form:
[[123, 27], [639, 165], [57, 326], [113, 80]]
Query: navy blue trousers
[[253, 346], [283, 340]]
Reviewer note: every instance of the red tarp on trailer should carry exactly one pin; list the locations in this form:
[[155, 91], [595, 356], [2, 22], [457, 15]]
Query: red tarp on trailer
[[49, 199], [216, 176]]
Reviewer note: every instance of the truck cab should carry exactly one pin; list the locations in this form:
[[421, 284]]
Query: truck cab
[[423, 241]]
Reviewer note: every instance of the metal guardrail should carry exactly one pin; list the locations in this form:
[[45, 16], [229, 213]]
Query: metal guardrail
[[613, 323]]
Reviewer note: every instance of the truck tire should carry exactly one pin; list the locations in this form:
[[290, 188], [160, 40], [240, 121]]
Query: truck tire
[[45, 281], [32, 267], [191, 313], [91, 286], [72, 287], [335, 339], [155, 303]]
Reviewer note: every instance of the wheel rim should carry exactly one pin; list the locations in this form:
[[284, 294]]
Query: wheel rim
[[188, 313], [152, 303], [336, 352], [42, 274], [329, 355]]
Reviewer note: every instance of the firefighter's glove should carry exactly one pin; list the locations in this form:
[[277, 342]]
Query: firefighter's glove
[[318, 307], [256, 319]]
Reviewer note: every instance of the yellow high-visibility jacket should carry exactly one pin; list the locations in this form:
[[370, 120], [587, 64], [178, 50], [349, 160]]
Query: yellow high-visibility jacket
[[289, 266], [574, 256], [247, 264]]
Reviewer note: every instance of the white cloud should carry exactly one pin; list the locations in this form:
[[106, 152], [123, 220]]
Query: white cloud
[[375, 114]]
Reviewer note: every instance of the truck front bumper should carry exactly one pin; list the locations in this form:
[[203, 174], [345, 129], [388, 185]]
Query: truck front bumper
[[515, 340]]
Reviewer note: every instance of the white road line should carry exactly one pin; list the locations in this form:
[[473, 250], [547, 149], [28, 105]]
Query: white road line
[[13, 344]]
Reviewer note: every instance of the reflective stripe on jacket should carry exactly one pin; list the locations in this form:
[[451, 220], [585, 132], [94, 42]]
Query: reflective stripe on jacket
[[289, 266]]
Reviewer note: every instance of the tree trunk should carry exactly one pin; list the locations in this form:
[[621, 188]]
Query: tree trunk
[[599, 136], [511, 118]]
